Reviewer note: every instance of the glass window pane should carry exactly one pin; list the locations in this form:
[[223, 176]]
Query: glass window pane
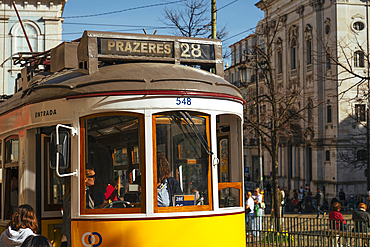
[[11, 150], [224, 160], [55, 187], [182, 161], [227, 198], [112, 162], [230, 167], [11, 192], [21, 42]]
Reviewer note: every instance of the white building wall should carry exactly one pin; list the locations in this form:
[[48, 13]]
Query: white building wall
[[44, 16]]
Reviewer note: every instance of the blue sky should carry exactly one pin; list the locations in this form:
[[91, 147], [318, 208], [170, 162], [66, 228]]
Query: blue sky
[[133, 16]]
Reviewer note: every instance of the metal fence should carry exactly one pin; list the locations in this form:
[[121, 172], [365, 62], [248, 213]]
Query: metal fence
[[295, 231]]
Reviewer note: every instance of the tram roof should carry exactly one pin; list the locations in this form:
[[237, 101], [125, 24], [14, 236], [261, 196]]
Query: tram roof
[[135, 78]]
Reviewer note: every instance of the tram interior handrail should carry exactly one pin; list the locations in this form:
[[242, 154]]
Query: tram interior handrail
[[74, 132]]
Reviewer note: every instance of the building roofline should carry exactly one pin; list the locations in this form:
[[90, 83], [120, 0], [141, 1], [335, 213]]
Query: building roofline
[[242, 39]]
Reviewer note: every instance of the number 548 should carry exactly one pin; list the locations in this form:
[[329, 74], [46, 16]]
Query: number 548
[[183, 101]]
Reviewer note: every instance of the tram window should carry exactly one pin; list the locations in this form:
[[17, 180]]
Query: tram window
[[11, 150], [230, 166], [113, 163], [182, 162], [11, 176], [11, 192], [55, 187]]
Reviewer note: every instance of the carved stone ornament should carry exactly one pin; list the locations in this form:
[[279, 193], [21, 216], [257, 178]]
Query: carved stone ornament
[[358, 16], [283, 19], [300, 10], [308, 32], [279, 44], [293, 32]]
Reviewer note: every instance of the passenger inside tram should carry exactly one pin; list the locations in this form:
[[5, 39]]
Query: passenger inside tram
[[101, 161], [89, 182], [113, 191], [113, 150], [167, 186]]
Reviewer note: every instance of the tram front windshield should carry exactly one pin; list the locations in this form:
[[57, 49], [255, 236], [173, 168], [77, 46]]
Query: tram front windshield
[[182, 156]]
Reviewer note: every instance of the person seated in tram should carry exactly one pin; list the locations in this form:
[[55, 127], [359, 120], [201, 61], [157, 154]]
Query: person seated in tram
[[89, 181], [167, 186], [100, 159], [112, 193]]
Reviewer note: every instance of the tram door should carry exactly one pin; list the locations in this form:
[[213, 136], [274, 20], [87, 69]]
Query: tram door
[[230, 157], [54, 189]]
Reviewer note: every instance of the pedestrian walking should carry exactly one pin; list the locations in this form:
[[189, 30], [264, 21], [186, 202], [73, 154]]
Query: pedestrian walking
[[319, 202], [342, 198], [268, 190], [249, 211], [358, 201], [258, 211], [283, 201], [351, 204]]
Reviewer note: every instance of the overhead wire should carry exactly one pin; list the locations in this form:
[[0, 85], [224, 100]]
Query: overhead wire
[[124, 10], [226, 5], [141, 7]]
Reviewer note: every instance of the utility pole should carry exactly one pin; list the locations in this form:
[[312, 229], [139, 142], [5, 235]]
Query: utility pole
[[213, 18]]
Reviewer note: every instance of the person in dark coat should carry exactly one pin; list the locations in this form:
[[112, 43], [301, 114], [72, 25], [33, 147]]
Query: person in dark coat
[[319, 202], [361, 219], [101, 161], [268, 190], [342, 197], [66, 225]]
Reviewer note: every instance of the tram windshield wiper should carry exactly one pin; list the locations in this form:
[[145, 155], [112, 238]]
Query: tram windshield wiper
[[188, 119]]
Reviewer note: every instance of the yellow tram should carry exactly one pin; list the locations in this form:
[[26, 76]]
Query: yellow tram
[[145, 141]]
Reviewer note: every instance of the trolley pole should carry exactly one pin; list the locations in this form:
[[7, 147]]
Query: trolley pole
[[24, 31], [213, 18]]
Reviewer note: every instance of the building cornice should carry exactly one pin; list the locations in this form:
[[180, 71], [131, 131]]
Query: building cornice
[[264, 4], [56, 19], [4, 18]]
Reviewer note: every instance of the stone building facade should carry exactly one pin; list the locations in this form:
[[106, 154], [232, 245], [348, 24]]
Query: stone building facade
[[42, 20], [320, 47]]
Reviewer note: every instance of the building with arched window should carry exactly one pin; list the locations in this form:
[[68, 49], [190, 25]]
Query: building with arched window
[[318, 49], [42, 21]]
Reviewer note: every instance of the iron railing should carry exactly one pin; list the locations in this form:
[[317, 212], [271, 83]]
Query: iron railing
[[297, 231]]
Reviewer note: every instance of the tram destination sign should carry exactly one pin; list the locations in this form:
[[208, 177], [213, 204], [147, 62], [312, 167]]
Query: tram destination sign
[[126, 47], [152, 48]]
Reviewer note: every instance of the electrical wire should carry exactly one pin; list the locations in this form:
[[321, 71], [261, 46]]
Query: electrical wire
[[123, 10], [109, 25], [226, 5]]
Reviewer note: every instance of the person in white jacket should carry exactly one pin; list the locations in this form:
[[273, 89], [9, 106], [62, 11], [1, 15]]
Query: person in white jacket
[[22, 225]]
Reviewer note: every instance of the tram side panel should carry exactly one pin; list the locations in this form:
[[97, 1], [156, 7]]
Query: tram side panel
[[180, 232]]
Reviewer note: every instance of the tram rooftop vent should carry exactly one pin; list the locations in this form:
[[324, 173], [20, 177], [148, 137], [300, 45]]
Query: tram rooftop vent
[[64, 56], [123, 47]]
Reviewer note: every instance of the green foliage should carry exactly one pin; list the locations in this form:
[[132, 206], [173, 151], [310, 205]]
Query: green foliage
[[272, 236]]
